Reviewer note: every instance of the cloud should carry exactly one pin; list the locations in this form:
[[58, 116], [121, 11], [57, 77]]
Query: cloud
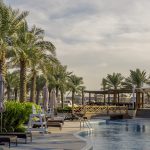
[[95, 37]]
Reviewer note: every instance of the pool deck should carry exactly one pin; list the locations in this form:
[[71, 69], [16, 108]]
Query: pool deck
[[56, 139]]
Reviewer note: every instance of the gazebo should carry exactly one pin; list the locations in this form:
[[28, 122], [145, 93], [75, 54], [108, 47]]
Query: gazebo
[[136, 102]]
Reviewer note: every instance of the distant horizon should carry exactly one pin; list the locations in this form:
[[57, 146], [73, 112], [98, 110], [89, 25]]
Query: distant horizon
[[94, 38]]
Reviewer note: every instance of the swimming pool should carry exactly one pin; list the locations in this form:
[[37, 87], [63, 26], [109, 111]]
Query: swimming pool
[[133, 134]]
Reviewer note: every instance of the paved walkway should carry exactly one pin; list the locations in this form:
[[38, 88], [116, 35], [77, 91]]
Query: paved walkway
[[56, 140]]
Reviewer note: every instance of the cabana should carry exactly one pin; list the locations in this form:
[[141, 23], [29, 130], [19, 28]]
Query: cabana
[[108, 96]]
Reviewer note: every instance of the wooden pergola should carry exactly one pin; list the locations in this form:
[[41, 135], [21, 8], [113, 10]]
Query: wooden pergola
[[139, 96]]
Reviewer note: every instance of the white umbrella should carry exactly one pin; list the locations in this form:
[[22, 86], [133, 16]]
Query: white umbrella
[[45, 97], [1, 97], [53, 102]]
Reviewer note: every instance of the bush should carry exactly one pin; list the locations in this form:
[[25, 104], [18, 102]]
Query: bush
[[64, 110], [16, 114]]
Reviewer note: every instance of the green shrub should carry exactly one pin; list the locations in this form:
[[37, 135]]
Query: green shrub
[[64, 110], [16, 114]]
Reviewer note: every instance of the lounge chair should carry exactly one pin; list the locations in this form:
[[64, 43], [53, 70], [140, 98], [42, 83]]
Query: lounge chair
[[23, 135], [54, 124], [60, 120], [9, 139]]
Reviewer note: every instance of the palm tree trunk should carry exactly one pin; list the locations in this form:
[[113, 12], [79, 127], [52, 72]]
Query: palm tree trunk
[[37, 96], [62, 99], [73, 96], [57, 89], [8, 93], [3, 64], [16, 93], [23, 81], [138, 100], [49, 91], [115, 96], [114, 101], [33, 87]]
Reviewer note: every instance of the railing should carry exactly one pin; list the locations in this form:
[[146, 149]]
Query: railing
[[84, 122], [101, 109]]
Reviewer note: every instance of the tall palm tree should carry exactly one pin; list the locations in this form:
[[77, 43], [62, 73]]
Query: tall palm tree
[[137, 78], [9, 23], [63, 85], [29, 46], [104, 84], [114, 81], [40, 61], [60, 75], [75, 85], [40, 82], [22, 53]]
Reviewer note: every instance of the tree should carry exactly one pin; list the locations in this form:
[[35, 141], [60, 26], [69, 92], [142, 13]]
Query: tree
[[29, 47], [60, 75], [40, 82], [75, 85], [9, 23], [137, 78], [114, 81], [41, 59], [104, 84]]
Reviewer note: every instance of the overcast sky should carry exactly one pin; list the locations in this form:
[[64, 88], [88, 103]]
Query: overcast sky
[[94, 37]]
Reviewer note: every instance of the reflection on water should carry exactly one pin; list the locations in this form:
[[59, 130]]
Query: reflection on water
[[121, 135], [137, 128]]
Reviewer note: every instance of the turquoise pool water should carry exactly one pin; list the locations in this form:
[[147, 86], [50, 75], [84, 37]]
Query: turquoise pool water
[[121, 135]]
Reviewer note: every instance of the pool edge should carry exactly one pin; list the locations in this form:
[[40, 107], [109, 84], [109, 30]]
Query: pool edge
[[89, 145]]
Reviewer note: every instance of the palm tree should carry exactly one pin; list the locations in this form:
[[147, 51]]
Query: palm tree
[[64, 74], [40, 82], [75, 86], [104, 84], [114, 81], [9, 23], [60, 75], [40, 61], [137, 78], [29, 47]]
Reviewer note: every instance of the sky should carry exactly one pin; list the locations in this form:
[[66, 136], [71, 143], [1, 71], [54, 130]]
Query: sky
[[94, 37]]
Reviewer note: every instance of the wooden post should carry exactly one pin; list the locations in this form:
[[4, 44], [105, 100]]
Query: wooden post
[[142, 100], [108, 98], [118, 98], [82, 96], [89, 98], [95, 97], [104, 99]]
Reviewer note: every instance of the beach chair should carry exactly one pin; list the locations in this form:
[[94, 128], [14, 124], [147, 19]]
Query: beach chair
[[40, 123], [54, 124], [8, 139], [22, 135]]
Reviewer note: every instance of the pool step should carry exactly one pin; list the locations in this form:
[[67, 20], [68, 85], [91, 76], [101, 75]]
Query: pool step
[[143, 113]]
